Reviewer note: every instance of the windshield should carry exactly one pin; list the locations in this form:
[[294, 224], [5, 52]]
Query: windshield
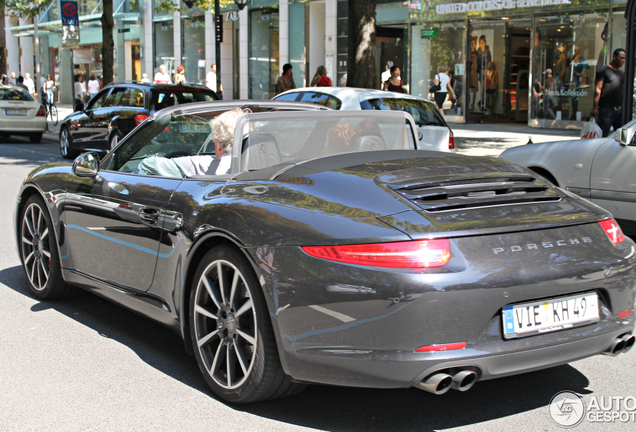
[[271, 138], [424, 113]]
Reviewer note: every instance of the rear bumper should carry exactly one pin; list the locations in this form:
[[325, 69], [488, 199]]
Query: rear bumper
[[18, 126]]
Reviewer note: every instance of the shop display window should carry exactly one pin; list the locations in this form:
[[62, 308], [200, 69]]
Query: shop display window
[[264, 53], [567, 53]]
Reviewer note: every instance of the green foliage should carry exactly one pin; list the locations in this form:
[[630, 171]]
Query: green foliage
[[26, 9], [168, 6]]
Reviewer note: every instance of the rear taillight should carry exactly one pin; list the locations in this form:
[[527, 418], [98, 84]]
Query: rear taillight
[[140, 118], [409, 254], [613, 231], [451, 140], [41, 112], [442, 347]]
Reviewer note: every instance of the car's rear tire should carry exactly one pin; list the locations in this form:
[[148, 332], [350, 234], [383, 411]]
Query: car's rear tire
[[114, 140], [38, 251], [35, 138], [231, 332], [65, 144]]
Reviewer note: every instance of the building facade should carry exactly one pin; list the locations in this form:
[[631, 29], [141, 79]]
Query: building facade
[[529, 61]]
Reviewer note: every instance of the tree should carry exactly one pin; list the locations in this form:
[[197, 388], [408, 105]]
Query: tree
[[108, 42], [361, 67]]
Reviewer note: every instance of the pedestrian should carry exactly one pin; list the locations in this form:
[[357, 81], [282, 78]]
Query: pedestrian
[[162, 77], [442, 93], [608, 94], [28, 82], [179, 77], [458, 90], [144, 78], [13, 80], [93, 86], [5, 80], [20, 83], [80, 92], [42, 83], [210, 80], [343, 80], [286, 80], [50, 89], [394, 83], [387, 71], [320, 78]]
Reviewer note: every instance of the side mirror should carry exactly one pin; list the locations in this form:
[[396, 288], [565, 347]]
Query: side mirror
[[86, 165], [625, 137]]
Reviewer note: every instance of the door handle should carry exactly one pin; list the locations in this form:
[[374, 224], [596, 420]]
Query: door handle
[[149, 215]]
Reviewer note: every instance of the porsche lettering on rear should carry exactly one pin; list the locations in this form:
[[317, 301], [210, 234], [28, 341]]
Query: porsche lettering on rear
[[542, 245]]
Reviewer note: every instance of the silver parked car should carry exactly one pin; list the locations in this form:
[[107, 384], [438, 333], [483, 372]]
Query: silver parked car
[[433, 132], [601, 170]]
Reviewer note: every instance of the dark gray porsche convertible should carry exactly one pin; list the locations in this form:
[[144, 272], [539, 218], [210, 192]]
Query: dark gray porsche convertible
[[333, 251]]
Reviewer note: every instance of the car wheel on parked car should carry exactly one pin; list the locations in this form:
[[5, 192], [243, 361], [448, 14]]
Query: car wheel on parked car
[[114, 140], [65, 145], [232, 337], [38, 251]]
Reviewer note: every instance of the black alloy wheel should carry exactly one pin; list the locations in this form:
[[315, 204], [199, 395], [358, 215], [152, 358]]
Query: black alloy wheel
[[232, 336], [38, 251]]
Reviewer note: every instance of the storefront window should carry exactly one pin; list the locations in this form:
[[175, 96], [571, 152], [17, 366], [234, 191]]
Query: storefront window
[[193, 43], [566, 56], [439, 48], [164, 46], [264, 55]]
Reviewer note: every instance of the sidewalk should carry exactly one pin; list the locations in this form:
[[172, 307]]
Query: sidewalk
[[470, 139], [493, 139]]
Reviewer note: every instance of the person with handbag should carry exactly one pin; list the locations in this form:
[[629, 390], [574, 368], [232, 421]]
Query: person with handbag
[[442, 85]]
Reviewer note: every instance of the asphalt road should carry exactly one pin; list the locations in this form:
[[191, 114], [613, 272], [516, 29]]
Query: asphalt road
[[84, 364]]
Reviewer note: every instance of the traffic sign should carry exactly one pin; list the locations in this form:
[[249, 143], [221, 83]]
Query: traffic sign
[[70, 13]]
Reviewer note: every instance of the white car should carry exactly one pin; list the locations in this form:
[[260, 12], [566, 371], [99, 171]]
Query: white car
[[20, 114], [433, 132], [601, 170]]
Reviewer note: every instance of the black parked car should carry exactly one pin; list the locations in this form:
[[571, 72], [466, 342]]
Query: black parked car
[[118, 109]]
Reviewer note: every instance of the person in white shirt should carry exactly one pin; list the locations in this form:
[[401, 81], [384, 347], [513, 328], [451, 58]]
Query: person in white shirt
[[162, 77], [93, 86], [210, 79], [28, 82], [80, 91], [387, 73], [144, 78]]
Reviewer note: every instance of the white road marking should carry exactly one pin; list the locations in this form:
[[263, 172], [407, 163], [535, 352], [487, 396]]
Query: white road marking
[[336, 315]]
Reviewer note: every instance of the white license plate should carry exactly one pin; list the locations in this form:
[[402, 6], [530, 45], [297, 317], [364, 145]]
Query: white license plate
[[15, 112], [549, 315], [194, 128]]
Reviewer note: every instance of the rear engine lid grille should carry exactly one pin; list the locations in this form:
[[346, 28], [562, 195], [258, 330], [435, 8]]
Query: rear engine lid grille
[[473, 193]]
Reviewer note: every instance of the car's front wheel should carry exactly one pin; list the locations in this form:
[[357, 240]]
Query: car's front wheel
[[65, 144], [114, 140], [38, 251], [232, 336]]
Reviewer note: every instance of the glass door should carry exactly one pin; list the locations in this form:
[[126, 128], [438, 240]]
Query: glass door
[[486, 69]]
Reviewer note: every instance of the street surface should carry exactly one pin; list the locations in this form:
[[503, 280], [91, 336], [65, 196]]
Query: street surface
[[84, 364]]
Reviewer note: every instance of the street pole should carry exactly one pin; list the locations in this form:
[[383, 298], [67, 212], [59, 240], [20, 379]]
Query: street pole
[[36, 41], [217, 46]]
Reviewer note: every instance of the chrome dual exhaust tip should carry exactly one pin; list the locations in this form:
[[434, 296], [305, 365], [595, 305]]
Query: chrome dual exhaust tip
[[440, 382], [617, 347]]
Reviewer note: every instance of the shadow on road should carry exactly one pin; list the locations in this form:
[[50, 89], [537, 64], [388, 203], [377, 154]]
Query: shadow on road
[[320, 407]]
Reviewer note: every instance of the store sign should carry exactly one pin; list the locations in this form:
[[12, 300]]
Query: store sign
[[570, 93], [232, 16], [429, 34], [493, 5], [83, 56]]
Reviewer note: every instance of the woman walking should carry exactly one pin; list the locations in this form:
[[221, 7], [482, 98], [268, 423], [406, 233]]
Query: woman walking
[[394, 84]]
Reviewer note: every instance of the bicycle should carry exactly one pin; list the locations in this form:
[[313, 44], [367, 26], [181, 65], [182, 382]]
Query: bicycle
[[51, 109]]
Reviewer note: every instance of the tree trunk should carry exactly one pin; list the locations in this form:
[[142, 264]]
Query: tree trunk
[[361, 67], [108, 43]]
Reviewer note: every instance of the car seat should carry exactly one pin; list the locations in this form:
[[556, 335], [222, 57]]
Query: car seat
[[259, 151]]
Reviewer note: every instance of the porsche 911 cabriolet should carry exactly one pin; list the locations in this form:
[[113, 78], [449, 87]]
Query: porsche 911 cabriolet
[[331, 251]]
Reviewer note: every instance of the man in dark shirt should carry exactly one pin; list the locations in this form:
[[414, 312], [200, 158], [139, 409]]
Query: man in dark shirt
[[608, 94], [20, 83]]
